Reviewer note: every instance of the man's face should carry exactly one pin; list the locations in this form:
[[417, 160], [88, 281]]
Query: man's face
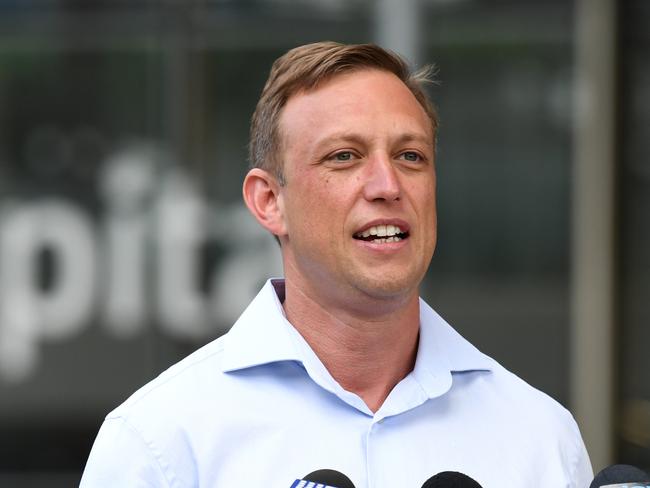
[[359, 201]]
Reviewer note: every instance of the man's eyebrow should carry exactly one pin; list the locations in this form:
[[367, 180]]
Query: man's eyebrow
[[355, 137], [339, 137], [415, 137]]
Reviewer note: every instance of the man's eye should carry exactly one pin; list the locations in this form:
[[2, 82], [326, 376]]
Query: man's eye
[[411, 156], [343, 156]]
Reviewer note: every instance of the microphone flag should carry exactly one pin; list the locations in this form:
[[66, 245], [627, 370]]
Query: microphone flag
[[634, 484], [309, 484]]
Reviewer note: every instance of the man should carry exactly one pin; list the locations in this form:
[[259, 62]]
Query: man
[[340, 365]]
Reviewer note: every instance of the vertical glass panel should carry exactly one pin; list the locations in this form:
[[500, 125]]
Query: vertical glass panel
[[634, 373]]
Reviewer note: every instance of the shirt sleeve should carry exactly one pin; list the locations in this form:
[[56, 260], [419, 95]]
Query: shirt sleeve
[[121, 457], [583, 472]]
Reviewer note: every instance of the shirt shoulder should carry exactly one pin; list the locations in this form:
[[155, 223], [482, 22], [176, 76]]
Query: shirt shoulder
[[540, 424], [186, 377], [517, 394], [149, 439]]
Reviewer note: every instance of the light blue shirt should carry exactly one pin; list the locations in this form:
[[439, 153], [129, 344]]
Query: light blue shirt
[[257, 408]]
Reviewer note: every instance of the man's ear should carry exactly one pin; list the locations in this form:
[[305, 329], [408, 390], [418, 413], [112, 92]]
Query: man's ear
[[262, 197]]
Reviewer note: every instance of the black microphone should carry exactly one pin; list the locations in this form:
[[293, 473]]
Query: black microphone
[[324, 478], [451, 479], [622, 476]]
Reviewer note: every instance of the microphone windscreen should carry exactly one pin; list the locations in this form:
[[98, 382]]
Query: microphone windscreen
[[330, 477], [451, 479], [619, 474]]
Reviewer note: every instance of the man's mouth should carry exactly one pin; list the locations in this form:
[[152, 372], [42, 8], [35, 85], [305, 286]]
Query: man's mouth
[[381, 234]]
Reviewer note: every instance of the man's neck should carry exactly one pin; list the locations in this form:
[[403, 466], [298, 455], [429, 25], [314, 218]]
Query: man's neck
[[367, 354]]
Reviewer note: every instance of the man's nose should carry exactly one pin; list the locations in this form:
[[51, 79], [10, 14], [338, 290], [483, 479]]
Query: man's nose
[[381, 179]]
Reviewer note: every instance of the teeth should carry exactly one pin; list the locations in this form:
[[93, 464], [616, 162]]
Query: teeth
[[382, 231], [383, 240]]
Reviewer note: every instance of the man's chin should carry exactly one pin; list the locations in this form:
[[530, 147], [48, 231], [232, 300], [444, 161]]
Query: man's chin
[[387, 288]]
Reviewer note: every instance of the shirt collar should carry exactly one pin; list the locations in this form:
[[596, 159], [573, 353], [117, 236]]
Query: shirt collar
[[262, 335], [442, 352]]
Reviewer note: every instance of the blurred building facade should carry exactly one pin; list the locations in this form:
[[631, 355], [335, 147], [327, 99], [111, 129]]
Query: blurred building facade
[[124, 244]]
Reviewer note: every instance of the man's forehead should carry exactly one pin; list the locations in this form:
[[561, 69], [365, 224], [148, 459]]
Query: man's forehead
[[356, 92]]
